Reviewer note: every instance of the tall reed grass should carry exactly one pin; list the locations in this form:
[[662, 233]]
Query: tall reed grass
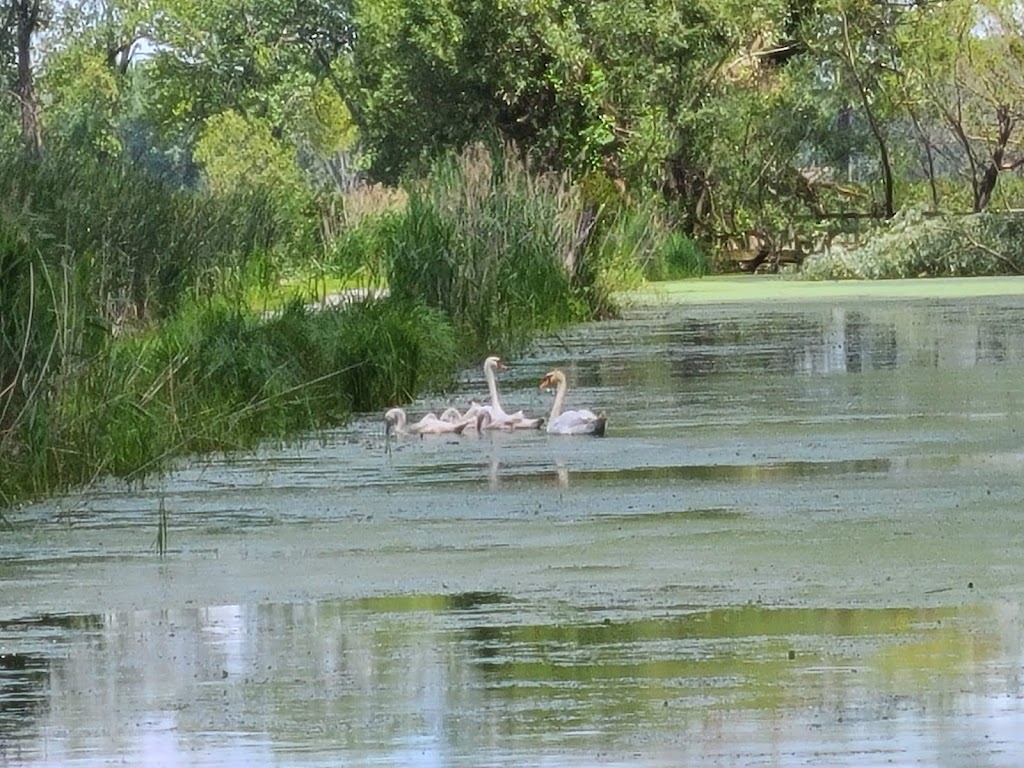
[[88, 251], [485, 240], [216, 378], [137, 243], [115, 357]]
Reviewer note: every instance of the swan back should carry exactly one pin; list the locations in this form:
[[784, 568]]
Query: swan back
[[581, 422]]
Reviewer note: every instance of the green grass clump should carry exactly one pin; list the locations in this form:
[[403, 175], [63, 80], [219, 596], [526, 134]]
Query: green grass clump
[[679, 257], [217, 379], [483, 239]]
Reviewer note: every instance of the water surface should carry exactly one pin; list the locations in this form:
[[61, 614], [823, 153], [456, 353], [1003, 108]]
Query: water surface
[[800, 543]]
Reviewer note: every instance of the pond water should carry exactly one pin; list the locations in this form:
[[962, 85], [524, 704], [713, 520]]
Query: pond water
[[801, 542]]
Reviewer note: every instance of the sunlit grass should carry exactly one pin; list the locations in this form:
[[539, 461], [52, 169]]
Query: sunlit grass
[[483, 239], [775, 288], [310, 288]]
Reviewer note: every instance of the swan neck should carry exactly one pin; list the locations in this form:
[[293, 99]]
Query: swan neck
[[556, 407], [492, 386]]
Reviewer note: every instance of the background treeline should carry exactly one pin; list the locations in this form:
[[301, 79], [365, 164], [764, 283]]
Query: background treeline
[[179, 179]]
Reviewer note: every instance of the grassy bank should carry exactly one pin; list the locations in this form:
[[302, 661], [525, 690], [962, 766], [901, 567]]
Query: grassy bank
[[134, 326], [217, 379]]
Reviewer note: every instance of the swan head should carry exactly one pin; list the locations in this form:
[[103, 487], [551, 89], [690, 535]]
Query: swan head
[[495, 363], [552, 379], [394, 418]]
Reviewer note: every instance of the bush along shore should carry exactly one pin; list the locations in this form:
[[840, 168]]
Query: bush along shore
[[128, 333], [915, 244]]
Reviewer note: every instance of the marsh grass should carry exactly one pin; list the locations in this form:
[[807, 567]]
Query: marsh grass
[[678, 258], [484, 239], [140, 244], [128, 339], [93, 258], [162, 528], [219, 379]]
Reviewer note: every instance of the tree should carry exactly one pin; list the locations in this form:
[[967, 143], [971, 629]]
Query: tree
[[622, 87], [87, 73], [859, 41], [23, 19], [986, 97], [259, 59], [964, 77]]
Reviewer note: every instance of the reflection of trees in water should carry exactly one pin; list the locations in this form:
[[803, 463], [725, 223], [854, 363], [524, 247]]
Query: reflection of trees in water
[[25, 677], [24, 689], [841, 339], [459, 675], [619, 672]]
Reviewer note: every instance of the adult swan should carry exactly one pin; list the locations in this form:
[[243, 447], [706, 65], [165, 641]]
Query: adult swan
[[581, 422], [493, 415]]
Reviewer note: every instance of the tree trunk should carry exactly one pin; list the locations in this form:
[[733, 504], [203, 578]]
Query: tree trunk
[[929, 154], [987, 184], [873, 126], [25, 15]]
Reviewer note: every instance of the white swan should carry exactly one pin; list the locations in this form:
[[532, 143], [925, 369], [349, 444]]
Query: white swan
[[453, 415], [467, 419], [395, 418], [581, 422], [497, 418]]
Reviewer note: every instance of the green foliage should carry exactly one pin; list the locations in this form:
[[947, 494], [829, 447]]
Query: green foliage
[[914, 245], [88, 251], [624, 244], [216, 379], [237, 152], [565, 81], [632, 240], [241, 157], [390, 351], [679, 257], [483, 239], [322, 123], [357, 253], [86, 100]]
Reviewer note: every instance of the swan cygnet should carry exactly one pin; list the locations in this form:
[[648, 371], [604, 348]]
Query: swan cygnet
[[396, 419], [577, 422], [469, 418]]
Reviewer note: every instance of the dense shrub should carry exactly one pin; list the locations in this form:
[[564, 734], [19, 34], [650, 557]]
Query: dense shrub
[[915, 245]]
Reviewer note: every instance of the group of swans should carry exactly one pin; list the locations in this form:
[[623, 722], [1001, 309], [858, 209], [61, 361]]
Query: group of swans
[[482, 417]]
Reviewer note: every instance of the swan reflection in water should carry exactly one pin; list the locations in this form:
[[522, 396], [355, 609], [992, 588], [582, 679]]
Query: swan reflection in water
[[560, 474]]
